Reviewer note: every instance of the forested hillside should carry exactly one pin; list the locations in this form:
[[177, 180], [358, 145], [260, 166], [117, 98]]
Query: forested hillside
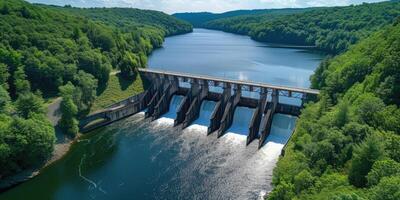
[[347, 146], [329, 29], [50, 51], [200, 19], [130, 19]]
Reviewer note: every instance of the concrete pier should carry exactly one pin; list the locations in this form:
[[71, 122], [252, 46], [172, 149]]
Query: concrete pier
[[219, 109], [266, 123], [256, 119]]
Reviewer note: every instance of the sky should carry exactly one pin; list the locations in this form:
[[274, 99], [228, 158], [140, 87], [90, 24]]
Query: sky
[[217, 6]]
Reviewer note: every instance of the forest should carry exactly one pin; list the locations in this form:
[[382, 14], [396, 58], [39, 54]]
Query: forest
[[346, 146], [331, 29], [199, 20], [48, 51]]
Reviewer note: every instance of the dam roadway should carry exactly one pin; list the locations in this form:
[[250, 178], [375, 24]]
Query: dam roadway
[[231, 81]]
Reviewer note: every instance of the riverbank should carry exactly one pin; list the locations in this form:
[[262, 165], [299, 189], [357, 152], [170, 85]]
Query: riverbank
[[116, 89], [61, 148]]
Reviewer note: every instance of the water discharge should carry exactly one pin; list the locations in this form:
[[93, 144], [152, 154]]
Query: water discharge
[[176, 101], [206, 110], [241, 120]]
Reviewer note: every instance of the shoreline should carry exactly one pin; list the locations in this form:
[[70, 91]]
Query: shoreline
[[61, 149]]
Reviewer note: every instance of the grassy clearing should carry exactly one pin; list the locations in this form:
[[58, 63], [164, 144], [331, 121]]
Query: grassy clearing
[[117, 89]]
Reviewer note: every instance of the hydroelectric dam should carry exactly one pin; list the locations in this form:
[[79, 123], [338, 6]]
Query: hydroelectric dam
[[223, 101]]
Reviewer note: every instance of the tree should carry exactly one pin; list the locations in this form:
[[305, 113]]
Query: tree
[[284, 191], [381, 169], [69, 110], [364, 156], [20, 83], [129, 64], [32, 140], [86, 87], [303, 181], [368, 106], [4, 76], [4, 100], [347, 196], [5, 10], [95, 63], [343, 114], [29, 103], [387, 189], [68, 120]]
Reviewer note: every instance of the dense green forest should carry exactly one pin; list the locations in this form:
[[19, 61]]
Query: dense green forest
[[200, 19], [347, 145], [130, 19], [48, 51], [329, 29]]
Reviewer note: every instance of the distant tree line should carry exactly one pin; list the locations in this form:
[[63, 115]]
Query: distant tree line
[[329, 29]]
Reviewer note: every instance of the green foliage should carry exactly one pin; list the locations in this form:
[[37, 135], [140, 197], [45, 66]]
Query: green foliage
[[343, 114], [4, 75], [200, 19], [364, 157], [129, 64], [68, 121], [303, 181], [24, 142], [329, 29], [28, 104], [387, 189], [284, 191], [21, 85], [85, 91], [95, 63], [132, 20], [381, 169], [368, 106], [349, 140], [69, 110], [118, 88], [5, 100], [347, 196]]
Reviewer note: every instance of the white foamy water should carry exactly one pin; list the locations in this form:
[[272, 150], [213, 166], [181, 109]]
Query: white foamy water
[[281, 130]]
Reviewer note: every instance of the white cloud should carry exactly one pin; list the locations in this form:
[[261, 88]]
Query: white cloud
[[172, 6]]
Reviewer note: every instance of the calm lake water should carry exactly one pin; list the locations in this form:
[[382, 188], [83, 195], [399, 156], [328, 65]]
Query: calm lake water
[[138, 159], [228, 55]]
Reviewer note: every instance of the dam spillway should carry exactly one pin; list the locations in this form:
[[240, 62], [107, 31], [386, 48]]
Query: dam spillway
[[242, 106]]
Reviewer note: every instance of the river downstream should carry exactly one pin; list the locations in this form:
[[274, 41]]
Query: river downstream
[[139, 159]]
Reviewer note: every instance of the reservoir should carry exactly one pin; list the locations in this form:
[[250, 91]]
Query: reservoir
[[139, 159]]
